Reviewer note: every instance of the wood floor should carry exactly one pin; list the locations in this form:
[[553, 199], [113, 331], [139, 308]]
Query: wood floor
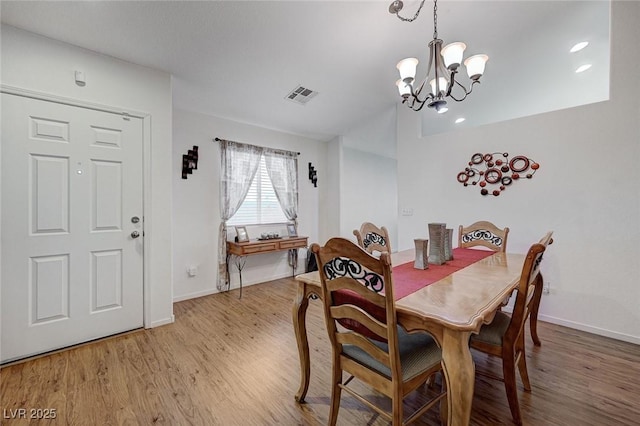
[[230, 362]]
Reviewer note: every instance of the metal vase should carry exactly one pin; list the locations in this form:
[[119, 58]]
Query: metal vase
[[448, 245], [437, 236], [422, 255]]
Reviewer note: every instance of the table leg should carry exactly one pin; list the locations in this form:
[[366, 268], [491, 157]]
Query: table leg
[[293, 261], [240, 262], [459, 371], [300, 305]]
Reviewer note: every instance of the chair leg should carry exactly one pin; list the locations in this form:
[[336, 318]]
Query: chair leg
[[533, 316], [396, 408], [444, 404], [533, 325], [522, 364], [509, 374], [336, 392]]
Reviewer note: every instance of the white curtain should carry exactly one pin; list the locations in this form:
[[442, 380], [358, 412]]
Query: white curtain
[[282, 167], [238, 165]]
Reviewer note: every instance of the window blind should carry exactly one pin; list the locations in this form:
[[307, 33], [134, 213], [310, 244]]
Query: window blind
[[261, 205]]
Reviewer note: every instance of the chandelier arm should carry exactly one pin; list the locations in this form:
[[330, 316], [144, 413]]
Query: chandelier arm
[[422, 104], [414, 16], [452, 80], [414, 95], [419, 90], [432, 58], [466, 92], [415, 99], [458, 100]]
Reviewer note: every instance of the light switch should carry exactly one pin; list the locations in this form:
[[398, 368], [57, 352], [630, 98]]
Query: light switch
[[80, 79]]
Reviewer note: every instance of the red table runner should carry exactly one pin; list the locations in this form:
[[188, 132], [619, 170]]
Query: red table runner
[[407, 279]]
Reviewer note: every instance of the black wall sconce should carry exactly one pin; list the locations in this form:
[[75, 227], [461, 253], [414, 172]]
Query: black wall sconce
[[190, 162], [313, 175]]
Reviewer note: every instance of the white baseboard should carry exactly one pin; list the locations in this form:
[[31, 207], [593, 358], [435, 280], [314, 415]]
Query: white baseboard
[[164, 321], [234, 286], [591, 329], [585, 327], [195, 295]]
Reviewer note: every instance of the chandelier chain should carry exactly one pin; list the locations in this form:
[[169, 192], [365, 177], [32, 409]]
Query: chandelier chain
[[435, 19], [414, 16]]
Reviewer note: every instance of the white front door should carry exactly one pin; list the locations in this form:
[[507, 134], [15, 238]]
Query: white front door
[[71, 193]]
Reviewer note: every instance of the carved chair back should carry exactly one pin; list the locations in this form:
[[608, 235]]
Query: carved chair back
[[371, 238], [356, 292], [483, 233]]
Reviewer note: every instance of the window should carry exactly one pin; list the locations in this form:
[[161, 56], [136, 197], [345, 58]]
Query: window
[[261, 205]]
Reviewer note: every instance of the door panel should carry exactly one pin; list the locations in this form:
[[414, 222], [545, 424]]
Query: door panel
[[49, 194], [71, 181], [49, 287], [106, 196]]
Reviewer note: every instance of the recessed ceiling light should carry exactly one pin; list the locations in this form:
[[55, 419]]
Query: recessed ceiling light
[[582, 68], [579, 46], [460, 120]]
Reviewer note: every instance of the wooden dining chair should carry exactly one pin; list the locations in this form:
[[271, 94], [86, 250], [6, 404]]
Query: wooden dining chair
[[533, 319], [504, 336], [357, 289], [484, 234], [371, 238]]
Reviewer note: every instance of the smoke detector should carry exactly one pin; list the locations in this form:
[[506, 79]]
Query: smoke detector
[[301, 95]]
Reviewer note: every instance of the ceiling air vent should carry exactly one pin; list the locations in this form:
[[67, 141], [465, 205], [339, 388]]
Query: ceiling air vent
[[301, 95]]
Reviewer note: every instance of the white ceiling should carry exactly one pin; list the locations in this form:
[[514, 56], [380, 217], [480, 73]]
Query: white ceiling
[[239, 59]]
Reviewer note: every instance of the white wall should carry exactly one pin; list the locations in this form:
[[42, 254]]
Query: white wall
[[47, 66], [196, 212], [368, 175], [333, 183], [586, 191], [368, 193]]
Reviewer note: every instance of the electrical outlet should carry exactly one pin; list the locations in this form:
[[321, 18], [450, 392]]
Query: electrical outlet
[[407, 212], [192, 271], [546, 289]]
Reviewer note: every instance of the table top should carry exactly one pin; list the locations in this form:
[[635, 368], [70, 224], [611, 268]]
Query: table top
[[463, 300]]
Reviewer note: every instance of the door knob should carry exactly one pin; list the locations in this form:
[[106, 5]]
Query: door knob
[[135, 234]]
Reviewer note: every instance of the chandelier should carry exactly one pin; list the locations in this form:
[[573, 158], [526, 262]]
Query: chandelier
[[442, 78]]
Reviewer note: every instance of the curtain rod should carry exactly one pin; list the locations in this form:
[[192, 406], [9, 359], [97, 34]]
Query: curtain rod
[[218, 140]]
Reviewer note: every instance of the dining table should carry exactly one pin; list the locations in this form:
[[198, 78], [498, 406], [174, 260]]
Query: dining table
[[450, 304]]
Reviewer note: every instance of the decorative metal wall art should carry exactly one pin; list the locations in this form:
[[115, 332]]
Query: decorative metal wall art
[[190, 162], [313, 175], [495, 170]]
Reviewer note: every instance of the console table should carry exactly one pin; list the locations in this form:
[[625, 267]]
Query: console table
[[239, 251]]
